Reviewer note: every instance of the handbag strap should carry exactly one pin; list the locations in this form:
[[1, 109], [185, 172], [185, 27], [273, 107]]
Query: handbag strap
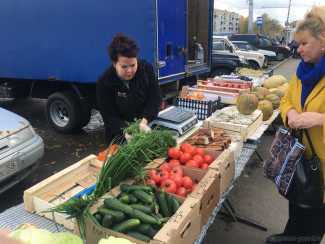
[[309, 141]]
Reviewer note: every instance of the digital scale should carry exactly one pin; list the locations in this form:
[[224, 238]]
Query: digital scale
[[177, 119]]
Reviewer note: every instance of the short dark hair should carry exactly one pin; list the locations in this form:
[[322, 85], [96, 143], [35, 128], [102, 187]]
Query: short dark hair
[[122, 45]]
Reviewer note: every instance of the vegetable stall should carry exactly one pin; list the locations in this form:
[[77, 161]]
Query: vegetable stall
[[158, 188]]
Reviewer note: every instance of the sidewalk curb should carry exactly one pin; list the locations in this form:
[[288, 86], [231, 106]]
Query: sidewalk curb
[[279, 64]]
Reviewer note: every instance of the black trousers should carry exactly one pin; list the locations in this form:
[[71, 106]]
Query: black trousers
[[305, 225]]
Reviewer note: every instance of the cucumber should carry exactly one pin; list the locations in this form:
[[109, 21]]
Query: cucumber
[[152, 186], [169, 200], [143, 228], [126, 225], [98, 217], [115, 204], [126, 187], [118, 216], [164, 220], [143, 208], [152, 232], [143, 196], [133, 199], [144, 218], [139, 236], [163, 204], [176, 205], [107, 221], [125, 199]]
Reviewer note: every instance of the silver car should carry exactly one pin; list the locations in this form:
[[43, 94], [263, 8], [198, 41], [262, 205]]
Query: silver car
[[21, 149]]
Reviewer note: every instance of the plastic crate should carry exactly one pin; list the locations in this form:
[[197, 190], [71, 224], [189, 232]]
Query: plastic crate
[[203, 109]]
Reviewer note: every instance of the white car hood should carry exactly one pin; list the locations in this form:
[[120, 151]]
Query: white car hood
[[10, 123], [266, 53]]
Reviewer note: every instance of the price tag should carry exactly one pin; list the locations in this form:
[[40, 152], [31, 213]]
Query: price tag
[[88, 181]]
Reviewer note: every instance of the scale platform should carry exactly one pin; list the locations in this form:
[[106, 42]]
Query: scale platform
[[175, 118]]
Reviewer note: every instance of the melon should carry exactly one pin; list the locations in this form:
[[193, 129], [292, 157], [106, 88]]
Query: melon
[[274, 99], [246, 103], [273, 82], [266, 107], [280, 93], [262, 90]]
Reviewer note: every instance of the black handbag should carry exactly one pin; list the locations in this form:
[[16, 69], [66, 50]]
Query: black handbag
[[307, 188]]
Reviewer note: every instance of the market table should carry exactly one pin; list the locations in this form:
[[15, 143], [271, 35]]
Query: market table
[[17, 215]]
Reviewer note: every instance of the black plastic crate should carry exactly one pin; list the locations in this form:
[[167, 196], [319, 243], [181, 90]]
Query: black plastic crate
[[203, 109]]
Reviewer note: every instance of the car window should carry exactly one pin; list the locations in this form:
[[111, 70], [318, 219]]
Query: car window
[[220, 45], [265, 41]]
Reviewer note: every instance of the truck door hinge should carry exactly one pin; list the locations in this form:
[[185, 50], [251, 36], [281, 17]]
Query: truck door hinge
[[160, 64]]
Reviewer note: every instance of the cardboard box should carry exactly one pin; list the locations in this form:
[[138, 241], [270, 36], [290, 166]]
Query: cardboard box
[[225, 164], [182, 227], [208, 192], [237, 129], [208, 187], [60, 187]]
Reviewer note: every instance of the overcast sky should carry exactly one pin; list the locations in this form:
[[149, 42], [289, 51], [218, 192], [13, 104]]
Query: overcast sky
[[297, 9]]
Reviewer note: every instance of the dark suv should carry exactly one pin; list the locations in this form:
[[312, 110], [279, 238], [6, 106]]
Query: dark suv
[[224, 64], [263, 42]]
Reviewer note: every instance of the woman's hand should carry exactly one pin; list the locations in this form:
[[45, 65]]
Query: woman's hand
[[308, 120], [292, 115]]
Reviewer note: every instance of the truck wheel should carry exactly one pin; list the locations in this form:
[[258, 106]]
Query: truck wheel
[[219, 72], [63, 111], [279, 56]]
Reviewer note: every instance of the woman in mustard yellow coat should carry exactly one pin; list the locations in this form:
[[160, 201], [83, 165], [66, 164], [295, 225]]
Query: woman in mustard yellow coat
[[303, 107]]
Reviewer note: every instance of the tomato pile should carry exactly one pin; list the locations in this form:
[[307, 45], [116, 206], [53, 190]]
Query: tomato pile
[[171, 179], [189, 156]]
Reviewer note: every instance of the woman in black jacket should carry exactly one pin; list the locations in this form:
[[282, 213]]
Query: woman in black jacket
[[128, 89]]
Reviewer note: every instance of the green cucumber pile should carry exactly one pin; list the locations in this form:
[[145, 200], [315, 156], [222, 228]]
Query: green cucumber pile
[[139, 211]]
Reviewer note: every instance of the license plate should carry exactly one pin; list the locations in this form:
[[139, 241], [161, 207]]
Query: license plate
[[8, 169]]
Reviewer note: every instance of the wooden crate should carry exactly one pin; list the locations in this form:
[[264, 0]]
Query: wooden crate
[[226, 97], [61, 187], [237, 129]]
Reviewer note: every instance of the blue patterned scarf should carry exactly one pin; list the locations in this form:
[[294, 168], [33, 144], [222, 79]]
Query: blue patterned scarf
[[309, 76]]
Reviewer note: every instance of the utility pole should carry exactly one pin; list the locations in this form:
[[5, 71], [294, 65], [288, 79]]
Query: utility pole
[[287, 22], [250, 17]]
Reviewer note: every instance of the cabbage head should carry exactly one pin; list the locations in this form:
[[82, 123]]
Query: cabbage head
[[67, 238], [114, 240], [33, 236]]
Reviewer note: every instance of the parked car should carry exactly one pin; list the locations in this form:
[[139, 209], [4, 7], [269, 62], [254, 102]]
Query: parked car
[[21, 149], [224, 64], [221, 44], [262, 42], [243, 45]]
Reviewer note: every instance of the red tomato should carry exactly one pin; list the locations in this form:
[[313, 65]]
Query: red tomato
[[192, 163], [173, 152], [154, 175], [163, 175], [199, 151], [177, 170], [190, 149], [192, 188], [177, 178], [185, 157], [208, 159], [165, 166], [187, 182], [174, 161], [183, 146], [150, 182], [199, 159], [204, 166], [168, 185], [181, 191]]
